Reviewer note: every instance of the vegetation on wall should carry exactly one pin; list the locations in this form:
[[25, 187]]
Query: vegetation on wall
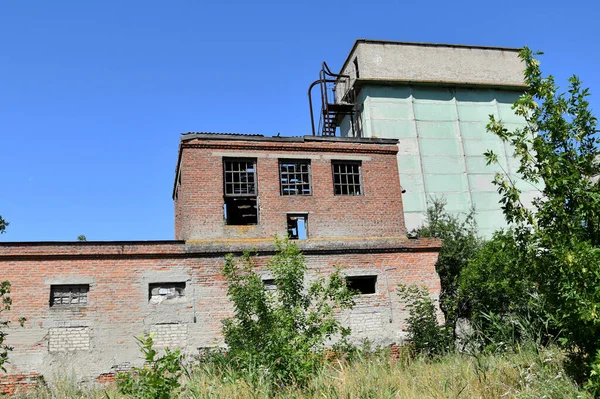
[[283, 333], [5, 303]]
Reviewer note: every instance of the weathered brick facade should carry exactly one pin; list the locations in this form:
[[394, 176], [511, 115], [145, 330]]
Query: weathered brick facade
[[86, 301]]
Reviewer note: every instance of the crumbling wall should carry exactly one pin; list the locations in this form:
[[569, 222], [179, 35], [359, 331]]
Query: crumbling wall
[[94, 339]]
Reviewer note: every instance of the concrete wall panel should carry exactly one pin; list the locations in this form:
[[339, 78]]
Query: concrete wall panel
[[443, 137]]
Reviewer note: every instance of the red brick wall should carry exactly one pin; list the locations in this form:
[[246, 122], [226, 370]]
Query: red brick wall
[[10, 384], [119, 309], [377, 213]]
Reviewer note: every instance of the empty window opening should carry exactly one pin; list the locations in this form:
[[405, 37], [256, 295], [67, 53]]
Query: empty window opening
[[240, 191], [69, 295], [347, 179], [295, 177], [269, 284], [356, 67], [158, 292], [362, 284], [297, 226], [241, 211]]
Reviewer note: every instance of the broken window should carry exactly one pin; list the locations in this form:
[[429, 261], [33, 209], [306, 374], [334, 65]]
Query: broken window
[[69, 295], [347, 179], [159, 292], [269, 284], [239, 183], [295, 177], [297, 226], [362, 284]]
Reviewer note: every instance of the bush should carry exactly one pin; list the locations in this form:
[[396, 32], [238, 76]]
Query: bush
[[158, 379], [459, 243], [425, 334], [282, 334], [495, 278]]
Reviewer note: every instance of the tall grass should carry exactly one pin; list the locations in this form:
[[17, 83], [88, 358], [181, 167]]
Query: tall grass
[[525, 373]]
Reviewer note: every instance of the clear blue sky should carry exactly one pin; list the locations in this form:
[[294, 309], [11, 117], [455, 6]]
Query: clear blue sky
[[94, 94]]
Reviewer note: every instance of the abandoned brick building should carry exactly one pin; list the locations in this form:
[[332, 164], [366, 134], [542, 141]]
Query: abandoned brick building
[[339, 198]]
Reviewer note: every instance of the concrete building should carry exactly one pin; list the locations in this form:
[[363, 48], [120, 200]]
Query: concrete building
[[339, 198], [436, 100]]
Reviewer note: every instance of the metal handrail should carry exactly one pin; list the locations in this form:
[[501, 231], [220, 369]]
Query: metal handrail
[[325, 77]]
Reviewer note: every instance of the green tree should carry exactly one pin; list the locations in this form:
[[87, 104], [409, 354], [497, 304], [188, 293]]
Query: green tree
[[459, 243], [496, 277], [557, 150], [283, 333], [81, 238], [5, 304], [3, 225]]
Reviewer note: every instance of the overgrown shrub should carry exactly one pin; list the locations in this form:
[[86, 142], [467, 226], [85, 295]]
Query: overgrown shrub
[[282, 334], [158, 379], [557, 153], [460, 242], [529, 325], [425, 333], [496, 277]]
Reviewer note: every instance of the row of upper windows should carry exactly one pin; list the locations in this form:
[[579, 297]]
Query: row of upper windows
[[77, 295], [240, 177]]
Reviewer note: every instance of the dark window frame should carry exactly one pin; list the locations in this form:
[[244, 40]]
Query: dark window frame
[[240, 187], [244, 186], [81, 291], [342, 187], [298, 186]]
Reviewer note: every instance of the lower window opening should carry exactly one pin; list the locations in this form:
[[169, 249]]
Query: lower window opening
[[362, 284], [240, 211], [297, 226], [157, 292], [270, 284]]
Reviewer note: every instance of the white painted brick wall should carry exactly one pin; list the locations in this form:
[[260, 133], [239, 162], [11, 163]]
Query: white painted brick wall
[[172, 335], [68, 339]]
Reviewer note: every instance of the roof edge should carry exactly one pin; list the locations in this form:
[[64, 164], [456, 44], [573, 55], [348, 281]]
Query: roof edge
[[84, 243], [422, 44], [447, 83]]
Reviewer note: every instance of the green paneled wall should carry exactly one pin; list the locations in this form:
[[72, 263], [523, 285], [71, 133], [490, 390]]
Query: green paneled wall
[[442, 138]]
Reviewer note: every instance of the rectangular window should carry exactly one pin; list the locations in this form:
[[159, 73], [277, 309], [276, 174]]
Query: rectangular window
[[240, 191], [295, 177], [347, 179], [269, 284], [240, 177], [69, 295], [158, 292], [297, 226], [362, 284]]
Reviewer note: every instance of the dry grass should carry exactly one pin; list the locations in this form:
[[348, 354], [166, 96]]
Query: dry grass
[[526, 374]]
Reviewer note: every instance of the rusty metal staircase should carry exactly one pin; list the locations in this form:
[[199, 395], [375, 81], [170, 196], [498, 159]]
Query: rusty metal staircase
[[334, 107]]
